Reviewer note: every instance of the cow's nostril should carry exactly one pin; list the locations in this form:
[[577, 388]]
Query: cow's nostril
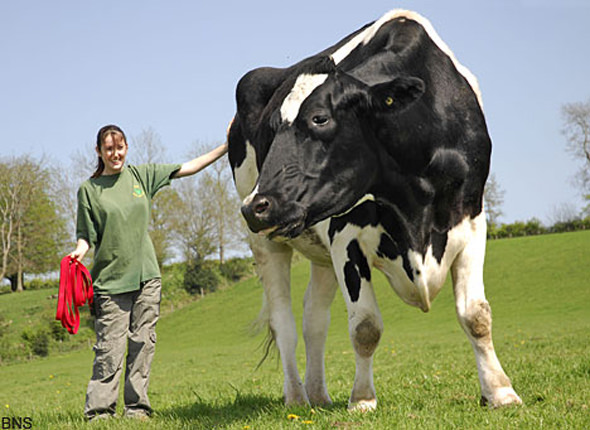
[[261, 205], [257, 211]]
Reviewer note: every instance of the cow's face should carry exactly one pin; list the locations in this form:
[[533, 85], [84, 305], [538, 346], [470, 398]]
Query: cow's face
[[325, 153]]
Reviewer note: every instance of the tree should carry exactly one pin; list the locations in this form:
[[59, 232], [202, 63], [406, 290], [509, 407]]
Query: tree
[[32, 232], [8, 211], [563, 213], [576, 129], [165, 203], [147, 147], [65, 190], [494, 199], [192, 225], [220, 201]]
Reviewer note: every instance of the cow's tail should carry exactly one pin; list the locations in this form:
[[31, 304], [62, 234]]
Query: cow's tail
[[262, 322]]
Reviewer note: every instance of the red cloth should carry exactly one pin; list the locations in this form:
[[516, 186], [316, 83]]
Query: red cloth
[[75, 288]]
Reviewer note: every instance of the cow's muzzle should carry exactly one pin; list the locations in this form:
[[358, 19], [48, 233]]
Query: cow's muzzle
[[256, 212], [266, 215]]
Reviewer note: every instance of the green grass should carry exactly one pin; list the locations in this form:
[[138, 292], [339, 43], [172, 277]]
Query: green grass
[[204, 373]]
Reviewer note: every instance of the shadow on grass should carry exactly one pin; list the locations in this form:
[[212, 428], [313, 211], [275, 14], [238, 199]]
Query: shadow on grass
[[218, 414], [245, 408]]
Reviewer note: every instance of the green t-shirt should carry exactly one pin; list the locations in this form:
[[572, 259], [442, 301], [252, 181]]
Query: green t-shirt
[[113, 216]]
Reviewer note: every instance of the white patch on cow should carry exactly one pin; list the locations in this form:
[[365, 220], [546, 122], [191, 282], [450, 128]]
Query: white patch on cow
[[303, 87], [429, 274], [470, 273], [367, 35]]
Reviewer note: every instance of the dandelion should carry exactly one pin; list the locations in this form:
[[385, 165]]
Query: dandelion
[[51, 376], [7, 406], [246, 428], [293, 417], [307, 422]]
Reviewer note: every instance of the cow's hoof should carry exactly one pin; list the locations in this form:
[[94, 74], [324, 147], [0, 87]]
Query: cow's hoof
[[296, 399], [502, 397], [318, 394], [363, 406], [320, 400]]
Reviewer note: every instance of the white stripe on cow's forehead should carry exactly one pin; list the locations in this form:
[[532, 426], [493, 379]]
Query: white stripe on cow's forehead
[[367, 34], [303, 87]]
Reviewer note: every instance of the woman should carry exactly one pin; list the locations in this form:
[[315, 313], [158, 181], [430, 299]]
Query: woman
[[113, 216]]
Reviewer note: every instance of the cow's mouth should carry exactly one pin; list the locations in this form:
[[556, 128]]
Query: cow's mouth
[[266, 217], [289, 231]]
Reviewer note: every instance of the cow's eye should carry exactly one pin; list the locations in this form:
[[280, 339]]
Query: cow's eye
[[320, 119]]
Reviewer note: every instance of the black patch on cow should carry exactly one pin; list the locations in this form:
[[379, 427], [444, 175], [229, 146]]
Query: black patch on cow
[[355, 268], [361, 216], [408, 267], [236, 151], [447, 172], [352, 280], [390, 250], [387, 248], [439, 244]]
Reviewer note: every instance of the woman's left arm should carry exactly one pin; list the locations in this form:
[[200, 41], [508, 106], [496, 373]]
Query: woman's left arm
[[199, 163]]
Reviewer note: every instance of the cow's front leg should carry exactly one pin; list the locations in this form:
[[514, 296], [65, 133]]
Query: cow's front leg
[[365, 325], [274, 264], [475, 316], [316, 319]]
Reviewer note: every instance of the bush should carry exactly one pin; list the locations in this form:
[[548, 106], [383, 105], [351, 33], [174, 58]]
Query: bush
[[3, 326], [236, 268], [200, 277], [42, 284], [57, 331], [37, 340]]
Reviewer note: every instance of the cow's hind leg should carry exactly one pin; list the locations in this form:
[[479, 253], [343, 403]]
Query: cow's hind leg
[[475, 316], [316, 319], [274, 264]]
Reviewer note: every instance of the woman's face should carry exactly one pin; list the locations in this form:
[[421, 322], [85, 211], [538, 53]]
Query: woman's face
[[113, 152]]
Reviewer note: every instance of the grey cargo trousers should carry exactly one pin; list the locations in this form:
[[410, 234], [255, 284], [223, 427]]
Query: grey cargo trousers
[[124, 322]]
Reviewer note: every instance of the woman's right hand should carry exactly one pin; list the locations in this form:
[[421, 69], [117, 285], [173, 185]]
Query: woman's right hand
[[82, 248]]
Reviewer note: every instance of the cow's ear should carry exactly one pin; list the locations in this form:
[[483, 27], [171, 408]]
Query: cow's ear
[[396, 94]]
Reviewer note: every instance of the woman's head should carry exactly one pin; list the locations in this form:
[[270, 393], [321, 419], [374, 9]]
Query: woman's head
[[111, 147]]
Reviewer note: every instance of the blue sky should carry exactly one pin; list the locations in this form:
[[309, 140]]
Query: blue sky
[[69, 67]]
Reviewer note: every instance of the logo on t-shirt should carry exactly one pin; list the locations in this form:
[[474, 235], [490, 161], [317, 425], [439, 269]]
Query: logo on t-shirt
[[137, 191]]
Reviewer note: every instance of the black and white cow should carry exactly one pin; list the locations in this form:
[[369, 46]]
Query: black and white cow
[[372, 153]]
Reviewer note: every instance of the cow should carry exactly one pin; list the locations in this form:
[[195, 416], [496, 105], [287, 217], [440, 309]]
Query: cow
[[373, 153]]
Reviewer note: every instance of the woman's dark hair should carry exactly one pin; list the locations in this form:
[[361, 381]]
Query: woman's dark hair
[[107, 130]]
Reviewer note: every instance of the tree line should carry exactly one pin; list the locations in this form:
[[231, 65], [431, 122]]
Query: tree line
[[195, 219], [576, 131]]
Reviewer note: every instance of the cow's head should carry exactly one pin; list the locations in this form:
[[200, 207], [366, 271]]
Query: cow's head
[[326, 152]]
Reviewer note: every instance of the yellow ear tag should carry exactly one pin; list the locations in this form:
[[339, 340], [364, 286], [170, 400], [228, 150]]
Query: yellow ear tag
[[389, 101]]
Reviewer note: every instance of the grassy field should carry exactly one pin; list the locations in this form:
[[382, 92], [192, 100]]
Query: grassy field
[[204, 372]]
